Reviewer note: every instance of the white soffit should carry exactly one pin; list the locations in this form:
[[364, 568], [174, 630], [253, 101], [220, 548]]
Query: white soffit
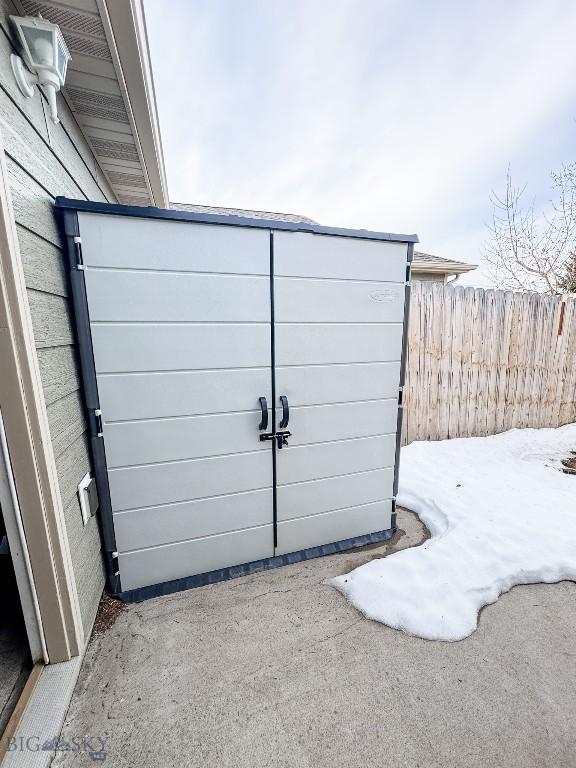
[[109, 88]]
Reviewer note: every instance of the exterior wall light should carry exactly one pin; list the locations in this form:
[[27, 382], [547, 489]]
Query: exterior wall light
[[45, 54]]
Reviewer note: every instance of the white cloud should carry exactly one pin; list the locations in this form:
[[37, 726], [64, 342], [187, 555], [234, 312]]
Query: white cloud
[[391, 115]]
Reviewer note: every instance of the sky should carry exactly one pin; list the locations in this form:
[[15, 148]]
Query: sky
[[392, 115]]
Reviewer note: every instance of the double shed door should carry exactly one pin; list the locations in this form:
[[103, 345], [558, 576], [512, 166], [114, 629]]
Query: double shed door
[[182, 335]]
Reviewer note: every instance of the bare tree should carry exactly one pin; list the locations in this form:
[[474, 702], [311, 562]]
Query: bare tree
[[534, 251]]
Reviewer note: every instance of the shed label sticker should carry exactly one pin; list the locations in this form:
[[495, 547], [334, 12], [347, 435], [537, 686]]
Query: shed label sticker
[[386, 295]]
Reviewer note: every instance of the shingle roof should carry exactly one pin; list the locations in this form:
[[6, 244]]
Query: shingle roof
[[427, 262], [242, 212]]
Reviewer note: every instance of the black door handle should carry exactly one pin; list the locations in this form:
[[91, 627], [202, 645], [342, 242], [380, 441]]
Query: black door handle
[[285, 412], [264, 409]]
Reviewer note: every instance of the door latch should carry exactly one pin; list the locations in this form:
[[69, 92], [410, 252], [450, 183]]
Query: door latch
[[282, 439]]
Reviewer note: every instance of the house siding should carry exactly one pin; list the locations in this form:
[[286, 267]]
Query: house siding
[[46, 160], [429, 277]]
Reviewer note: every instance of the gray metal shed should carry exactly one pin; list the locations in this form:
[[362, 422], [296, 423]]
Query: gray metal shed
[[243, 381]]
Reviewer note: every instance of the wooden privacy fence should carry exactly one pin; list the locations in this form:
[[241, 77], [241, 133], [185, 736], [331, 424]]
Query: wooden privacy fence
[[483, 361]]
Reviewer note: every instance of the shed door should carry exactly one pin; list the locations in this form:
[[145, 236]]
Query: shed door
[[339, 310], [180, 323]]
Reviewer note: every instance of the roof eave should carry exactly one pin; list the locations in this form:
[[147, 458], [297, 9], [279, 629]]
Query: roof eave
[[442, 269], [125, 28]]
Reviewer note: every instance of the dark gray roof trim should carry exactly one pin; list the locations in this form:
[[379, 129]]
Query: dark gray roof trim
[[204, 218]]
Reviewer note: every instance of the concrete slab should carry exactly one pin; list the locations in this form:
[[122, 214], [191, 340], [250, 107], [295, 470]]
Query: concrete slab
[[277, 670], [14, 668], [15, 663]]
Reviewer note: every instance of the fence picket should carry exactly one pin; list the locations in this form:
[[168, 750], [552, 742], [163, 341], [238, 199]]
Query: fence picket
[[480, 362]]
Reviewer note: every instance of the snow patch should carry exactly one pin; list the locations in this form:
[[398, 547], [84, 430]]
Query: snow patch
[[500, 513]]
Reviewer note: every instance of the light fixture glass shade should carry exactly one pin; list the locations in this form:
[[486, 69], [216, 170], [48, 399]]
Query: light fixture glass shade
[[63, 59], [43, 47]]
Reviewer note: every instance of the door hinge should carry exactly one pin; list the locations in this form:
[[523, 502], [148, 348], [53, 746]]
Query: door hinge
[[97, 425], [113, 563], [78, 252]]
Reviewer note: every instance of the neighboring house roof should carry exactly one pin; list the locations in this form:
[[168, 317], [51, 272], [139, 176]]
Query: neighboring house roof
[[241, 212], [422, 263], [426, 262], [110, 90]]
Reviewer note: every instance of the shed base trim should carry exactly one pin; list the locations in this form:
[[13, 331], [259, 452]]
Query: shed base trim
[[235, 571]]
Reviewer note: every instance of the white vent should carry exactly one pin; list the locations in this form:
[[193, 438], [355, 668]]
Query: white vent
[[97, 104], [118, 150], [88, 497], [126, 179], [82, 32], [75, 21], [87, 46]]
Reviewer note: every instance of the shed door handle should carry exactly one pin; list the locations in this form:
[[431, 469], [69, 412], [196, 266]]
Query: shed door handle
[[285, 412], [264, 409]]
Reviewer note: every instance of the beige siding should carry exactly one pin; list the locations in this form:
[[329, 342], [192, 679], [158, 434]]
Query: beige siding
[[46, 160], [428, 277]]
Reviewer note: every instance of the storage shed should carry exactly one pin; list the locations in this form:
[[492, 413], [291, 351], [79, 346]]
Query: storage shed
[[243, 382]]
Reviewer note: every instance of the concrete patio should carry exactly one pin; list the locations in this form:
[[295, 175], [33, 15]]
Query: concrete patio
[[276, 669], [15, 661]]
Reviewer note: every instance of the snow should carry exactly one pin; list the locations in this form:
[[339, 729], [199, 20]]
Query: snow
[[500, 513]]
